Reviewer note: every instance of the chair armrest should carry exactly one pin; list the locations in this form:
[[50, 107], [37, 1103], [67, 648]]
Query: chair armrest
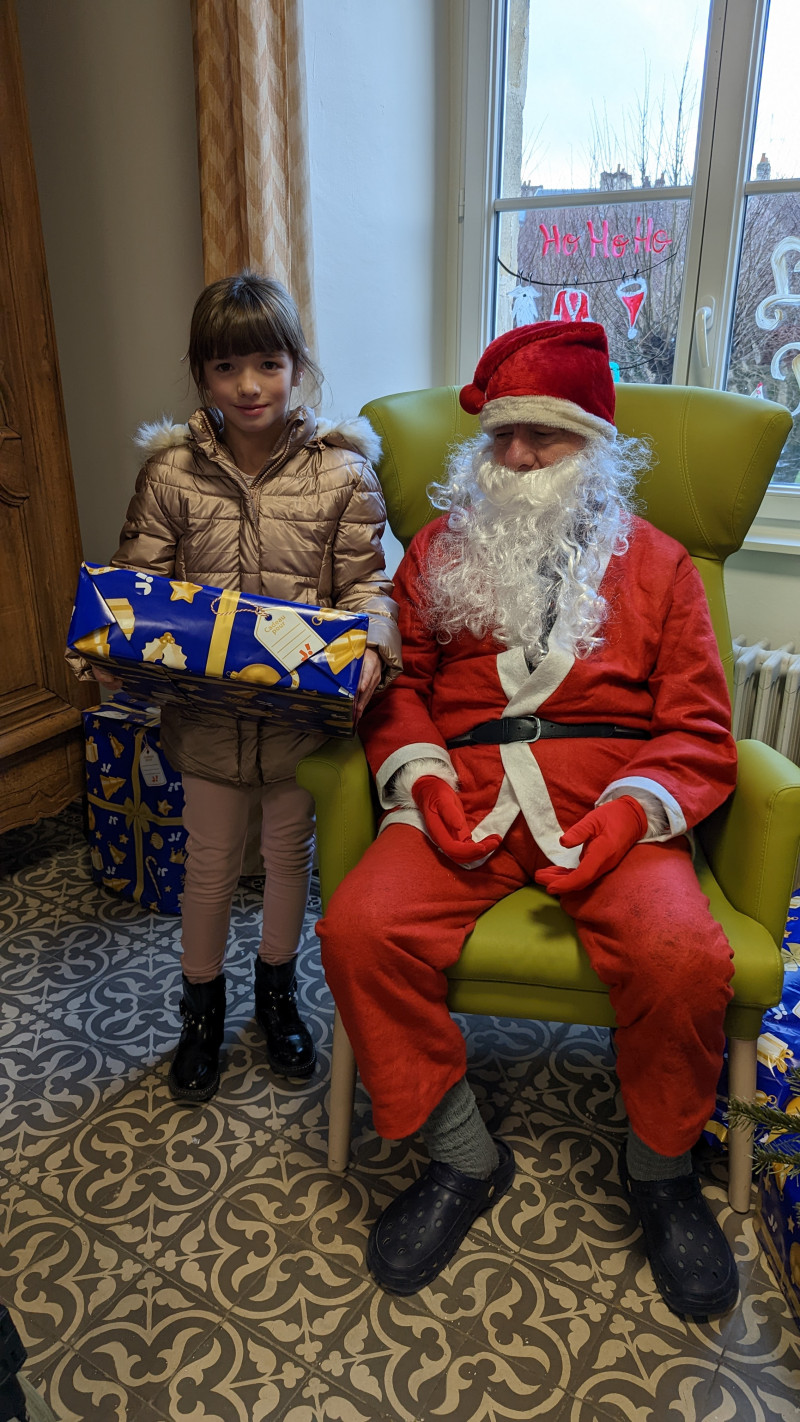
[[338, 777], [752, 842]]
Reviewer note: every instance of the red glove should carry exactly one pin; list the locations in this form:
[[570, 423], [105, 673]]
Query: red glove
[[606, 833], [446, 823]]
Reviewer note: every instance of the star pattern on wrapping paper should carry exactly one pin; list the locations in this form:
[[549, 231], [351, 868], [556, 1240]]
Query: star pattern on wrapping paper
[[184, 592]]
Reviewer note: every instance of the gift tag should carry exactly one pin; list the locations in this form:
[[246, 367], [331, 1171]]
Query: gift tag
[[287, 637], [150, 767]]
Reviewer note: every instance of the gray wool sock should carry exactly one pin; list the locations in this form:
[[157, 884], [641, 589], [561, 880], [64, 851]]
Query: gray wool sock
[[646, 1164], [455, 1134]]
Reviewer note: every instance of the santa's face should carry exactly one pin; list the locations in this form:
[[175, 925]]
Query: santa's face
[[524, 447]]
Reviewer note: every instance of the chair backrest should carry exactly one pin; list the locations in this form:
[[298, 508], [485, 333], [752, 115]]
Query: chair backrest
[[713, 458]]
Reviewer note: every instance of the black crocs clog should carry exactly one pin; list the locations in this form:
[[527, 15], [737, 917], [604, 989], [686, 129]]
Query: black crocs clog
[[693, 1266], [418, 1234]]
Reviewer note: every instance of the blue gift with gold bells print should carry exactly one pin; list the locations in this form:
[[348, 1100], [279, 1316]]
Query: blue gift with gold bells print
[[135, 805], [215, 649]]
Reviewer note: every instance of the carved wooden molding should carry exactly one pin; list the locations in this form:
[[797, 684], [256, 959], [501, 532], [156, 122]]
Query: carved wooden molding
[[12, 497]]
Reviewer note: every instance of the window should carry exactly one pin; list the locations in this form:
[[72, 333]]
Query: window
[[640, 166]]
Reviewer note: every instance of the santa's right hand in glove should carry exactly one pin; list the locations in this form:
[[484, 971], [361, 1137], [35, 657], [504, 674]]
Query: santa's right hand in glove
[[606, 833], [443, 813]]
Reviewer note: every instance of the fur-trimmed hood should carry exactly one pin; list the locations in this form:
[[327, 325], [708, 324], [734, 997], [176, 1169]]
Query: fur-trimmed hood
[[356, 434]]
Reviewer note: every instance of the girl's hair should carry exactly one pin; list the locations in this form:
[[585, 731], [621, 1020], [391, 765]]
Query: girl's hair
[[245, 313]]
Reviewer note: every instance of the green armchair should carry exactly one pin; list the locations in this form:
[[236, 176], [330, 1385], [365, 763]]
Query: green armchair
[[714, 456]]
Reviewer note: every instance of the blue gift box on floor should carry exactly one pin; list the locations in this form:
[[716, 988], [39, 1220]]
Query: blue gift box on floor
[[778, 1223], [779, 1042], [135, 806], [172, 640], [777, 1220]]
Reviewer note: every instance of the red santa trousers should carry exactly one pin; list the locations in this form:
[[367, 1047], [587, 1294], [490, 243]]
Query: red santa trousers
[[399, 920]]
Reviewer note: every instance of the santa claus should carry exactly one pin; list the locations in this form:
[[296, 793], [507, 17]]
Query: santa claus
[[562, 717]]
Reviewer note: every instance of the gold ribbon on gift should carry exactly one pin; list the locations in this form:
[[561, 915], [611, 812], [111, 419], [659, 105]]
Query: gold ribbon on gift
[[220, 637], [138, 816]]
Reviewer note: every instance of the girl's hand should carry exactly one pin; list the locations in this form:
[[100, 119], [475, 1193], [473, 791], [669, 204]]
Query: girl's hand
[[370, 678], [107, 679]]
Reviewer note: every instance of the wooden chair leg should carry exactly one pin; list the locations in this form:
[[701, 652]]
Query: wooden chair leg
[[343, 1090], [741, 1083]]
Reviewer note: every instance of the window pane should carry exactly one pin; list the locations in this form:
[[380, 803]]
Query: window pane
[[776, 146], [594, 101], [620, 264], [765, 349]]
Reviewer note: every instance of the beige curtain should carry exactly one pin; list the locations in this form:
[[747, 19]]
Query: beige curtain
[[253, 143]]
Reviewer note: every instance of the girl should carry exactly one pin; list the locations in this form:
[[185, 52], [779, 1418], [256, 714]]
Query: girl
[[253, 494]]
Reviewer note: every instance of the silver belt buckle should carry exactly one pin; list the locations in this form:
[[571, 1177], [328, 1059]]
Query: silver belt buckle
[[535, 738]]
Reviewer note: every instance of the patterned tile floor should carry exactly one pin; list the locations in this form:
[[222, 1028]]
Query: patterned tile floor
[[165, 1263]]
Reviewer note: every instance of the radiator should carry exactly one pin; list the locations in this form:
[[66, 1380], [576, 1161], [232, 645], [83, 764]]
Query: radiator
[[766, 695]]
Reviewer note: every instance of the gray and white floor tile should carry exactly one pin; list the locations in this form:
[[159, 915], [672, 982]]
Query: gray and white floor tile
[[165, 1262]]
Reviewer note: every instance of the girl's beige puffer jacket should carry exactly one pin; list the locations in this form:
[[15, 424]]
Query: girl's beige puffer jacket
[[306, 529]]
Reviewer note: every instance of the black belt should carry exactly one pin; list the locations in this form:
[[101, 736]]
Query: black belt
[[532, 728]]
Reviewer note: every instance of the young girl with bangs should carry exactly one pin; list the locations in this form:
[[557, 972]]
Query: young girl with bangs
[[254, 494]]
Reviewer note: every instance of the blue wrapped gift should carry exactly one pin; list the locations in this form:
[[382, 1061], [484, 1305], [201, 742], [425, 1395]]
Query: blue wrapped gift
[[212, 648], [778, 1222], [135, 806], [778, 1046]]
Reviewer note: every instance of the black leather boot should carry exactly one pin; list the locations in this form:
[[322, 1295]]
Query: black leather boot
[[194, 1074], [290, 1050]]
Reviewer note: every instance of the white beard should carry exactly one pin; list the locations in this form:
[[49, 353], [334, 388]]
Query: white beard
[[520, 550]]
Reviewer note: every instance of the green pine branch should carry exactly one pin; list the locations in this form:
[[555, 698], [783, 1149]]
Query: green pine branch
[[766, 1156], [742, 1113]]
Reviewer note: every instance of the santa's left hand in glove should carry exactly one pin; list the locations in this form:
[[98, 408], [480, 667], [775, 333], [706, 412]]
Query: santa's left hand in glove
[[606, 833]]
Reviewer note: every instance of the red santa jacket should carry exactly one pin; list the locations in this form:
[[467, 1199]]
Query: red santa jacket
[[658, 670]]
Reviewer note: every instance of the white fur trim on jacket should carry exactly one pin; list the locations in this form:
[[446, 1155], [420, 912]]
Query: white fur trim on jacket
[[544, 410], [355, 434], [161, 434], [398, 790], [409, 754]]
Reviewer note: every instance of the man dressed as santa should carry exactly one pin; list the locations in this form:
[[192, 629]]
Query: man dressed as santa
[[562, 717]]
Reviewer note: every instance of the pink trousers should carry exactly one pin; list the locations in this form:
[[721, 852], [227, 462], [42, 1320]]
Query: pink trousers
[[216, 817], [399, 920]]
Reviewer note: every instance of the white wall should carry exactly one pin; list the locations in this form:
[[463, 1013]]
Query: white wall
[[375, 77], [110, 90], [763, 593]]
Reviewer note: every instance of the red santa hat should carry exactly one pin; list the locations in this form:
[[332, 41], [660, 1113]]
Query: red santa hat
[[552, 373]]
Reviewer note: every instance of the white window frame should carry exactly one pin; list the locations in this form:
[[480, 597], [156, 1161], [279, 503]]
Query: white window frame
[[736, 29]]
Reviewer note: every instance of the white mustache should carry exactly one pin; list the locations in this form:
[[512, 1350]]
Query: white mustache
[[534, 489]]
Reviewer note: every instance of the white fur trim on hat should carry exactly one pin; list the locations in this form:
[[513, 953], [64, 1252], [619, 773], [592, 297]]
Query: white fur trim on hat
[[161, 434], [355, 434], [544, 410]]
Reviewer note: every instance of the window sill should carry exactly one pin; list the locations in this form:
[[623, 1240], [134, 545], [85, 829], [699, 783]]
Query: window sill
[[758, 541], [776, 527]]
